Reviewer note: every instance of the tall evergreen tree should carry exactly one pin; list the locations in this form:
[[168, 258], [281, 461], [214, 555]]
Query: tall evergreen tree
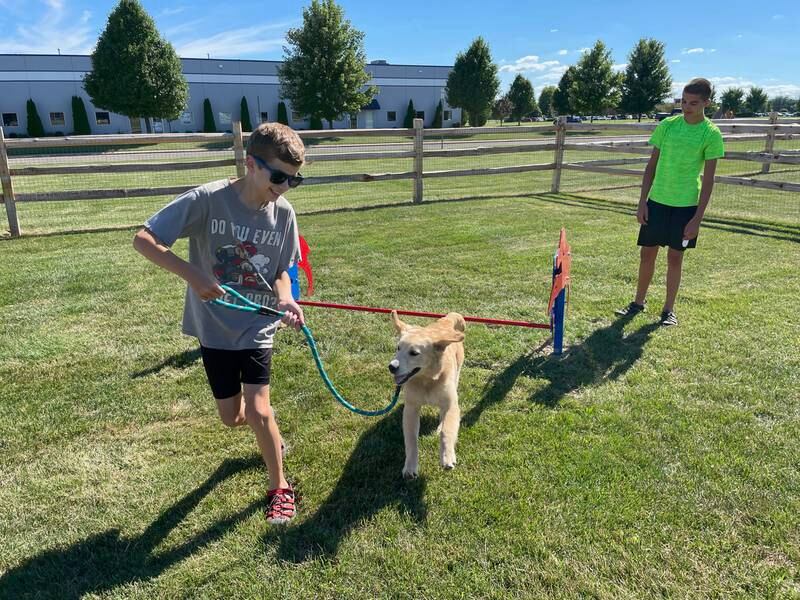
[[408, 121], [283, 114], [646, 81], [473, 83], [732, 100], [209, 126], [756, 100], [135, 72], [562, 97], [546, 100], [324, 69], [596, 86], [438, 116], [35, 127], [80, 120], [522, 99], [244, 115]]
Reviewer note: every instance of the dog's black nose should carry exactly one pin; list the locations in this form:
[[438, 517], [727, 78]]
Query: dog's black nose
[[393, 366]]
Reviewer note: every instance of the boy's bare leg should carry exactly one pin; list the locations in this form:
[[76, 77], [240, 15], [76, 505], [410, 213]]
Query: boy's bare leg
[[253, 407], [674, 268], [231, 410], [647, 266], [259, 415]]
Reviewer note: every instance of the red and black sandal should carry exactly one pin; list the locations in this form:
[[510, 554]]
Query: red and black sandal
[[281, 506]]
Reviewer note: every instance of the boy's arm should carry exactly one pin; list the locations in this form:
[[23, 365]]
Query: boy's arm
[[205, 286], [283, 290], [693, 227], [647, 183]]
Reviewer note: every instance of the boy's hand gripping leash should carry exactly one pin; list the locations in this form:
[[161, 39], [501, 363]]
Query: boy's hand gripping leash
[[250, 306]]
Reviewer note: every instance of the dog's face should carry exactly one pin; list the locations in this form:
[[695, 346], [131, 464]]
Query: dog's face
[[420, 349]]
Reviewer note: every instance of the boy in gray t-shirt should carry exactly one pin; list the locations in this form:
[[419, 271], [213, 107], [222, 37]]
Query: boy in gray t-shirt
[[242, 233]]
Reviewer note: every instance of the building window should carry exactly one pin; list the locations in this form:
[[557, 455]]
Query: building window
[[224, 118], [264, 117], [421, 114], [57, 118], [10, 120], [186, 117], [448, 114], [102, 117], [391, 115], [296, 116]]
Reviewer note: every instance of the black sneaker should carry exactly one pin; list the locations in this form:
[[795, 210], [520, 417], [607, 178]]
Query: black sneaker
[[630, 310], [668, 318]]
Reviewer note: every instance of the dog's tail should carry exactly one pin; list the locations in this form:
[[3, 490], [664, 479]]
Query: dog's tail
[[459, 324]]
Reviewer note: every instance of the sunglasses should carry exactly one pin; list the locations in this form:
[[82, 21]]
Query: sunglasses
[[277, 176]]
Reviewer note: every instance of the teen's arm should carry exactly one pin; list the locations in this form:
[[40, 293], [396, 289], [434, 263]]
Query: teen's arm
[[693, 227], [647, 183], [205, 286], [286, 303]]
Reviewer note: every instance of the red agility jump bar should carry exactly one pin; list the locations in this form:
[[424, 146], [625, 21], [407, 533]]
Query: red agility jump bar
[[414, 313]]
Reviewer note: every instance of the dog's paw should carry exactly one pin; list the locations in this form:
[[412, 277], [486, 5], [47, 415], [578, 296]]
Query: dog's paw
[[409, 473], [448, 463]]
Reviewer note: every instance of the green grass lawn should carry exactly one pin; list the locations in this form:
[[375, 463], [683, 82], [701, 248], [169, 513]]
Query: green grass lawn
[[644, 463]]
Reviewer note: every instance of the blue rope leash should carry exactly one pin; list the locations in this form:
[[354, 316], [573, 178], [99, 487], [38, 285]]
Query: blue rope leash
[[250, 306]]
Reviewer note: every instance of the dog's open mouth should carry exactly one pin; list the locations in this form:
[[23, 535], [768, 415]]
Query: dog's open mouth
[[401, 379]]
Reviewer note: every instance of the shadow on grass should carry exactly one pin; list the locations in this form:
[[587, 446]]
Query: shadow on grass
[[371, 480], [605, 355], [106, 560], [785, 232], [178, 361]]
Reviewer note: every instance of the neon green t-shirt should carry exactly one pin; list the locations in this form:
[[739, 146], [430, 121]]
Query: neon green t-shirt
[[683, 150]]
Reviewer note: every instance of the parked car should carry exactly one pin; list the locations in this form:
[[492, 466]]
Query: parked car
[[570, 119]]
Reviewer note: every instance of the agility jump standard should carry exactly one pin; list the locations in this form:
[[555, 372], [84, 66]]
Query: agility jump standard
[[562, 260]]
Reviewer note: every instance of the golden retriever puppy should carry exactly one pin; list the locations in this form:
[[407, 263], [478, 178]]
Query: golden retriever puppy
[[427, 364]]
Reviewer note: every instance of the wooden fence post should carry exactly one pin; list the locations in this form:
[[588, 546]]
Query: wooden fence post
[[238, 149], [770, 147], [558, 160], [8, 188], [419, 146]]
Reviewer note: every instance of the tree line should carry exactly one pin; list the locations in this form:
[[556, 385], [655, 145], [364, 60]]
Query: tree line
[[137, 73]]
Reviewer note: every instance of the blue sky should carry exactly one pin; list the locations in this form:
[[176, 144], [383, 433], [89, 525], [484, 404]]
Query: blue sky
[[733, 43]]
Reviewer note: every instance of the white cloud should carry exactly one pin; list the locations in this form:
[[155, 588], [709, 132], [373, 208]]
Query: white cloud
[[168, 12], [713, 50], [693, 50], [529, 64], [55, 30], [619, 67], [554, 31], [675, 60], [777, 17], [563, 52], [233, 43], [584, 50], [739, 36]]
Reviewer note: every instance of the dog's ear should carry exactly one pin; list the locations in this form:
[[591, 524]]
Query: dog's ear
[[445, 337], [459, 324], [399, 326]]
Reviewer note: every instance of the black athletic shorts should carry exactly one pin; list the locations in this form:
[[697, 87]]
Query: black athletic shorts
[[665, 226], [227, 370]]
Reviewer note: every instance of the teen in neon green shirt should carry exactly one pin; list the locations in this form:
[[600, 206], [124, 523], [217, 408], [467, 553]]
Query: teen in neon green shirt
[[683, 149], [673, 199]]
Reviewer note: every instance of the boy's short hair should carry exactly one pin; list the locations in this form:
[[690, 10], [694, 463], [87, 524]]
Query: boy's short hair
[[700, 87], [275, 140]]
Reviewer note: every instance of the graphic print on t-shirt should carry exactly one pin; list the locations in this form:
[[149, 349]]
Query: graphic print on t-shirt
[[236, 265]]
